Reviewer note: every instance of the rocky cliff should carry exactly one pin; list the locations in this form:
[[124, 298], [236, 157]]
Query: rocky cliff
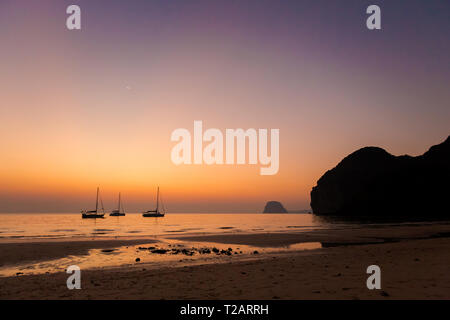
[[372, 182]]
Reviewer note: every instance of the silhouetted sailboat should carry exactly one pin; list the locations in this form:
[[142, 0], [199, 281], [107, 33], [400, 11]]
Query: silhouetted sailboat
[[94, 213], [119, 211], [155, 213]]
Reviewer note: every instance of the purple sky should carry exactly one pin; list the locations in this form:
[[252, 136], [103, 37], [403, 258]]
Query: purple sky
[[140, 69]]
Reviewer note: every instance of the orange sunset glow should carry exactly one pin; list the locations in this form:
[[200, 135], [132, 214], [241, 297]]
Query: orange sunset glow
[[97, 107]]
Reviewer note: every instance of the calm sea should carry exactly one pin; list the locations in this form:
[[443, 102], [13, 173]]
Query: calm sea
[[39, 227], [71, 226]]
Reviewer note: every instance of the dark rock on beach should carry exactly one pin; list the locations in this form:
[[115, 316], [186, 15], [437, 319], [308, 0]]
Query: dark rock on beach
[[274, 207], [144, 248], [187, 252], [159, 251], [108, 250], [373, 183]]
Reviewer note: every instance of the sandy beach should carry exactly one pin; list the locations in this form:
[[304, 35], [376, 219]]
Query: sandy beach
[[414, 265]]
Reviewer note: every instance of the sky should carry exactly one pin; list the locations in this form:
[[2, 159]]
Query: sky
[[97, 106]]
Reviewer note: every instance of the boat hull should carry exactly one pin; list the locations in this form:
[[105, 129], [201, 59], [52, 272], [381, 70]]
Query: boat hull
[[92, 216], [114, 214], [152, 215]]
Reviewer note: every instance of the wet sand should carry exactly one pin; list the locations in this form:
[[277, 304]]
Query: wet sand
[[332, 237], [21, 251], [415, 269], [414, 262], [18, 252]]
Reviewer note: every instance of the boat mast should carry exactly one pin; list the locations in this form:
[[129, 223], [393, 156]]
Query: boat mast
[[96, 203], [119, 203], [157, 200]]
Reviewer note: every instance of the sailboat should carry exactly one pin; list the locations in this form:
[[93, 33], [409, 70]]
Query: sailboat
[[119, 211], [155, 213], [94, 213]]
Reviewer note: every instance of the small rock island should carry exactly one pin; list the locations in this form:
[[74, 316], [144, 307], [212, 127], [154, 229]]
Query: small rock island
[[274, 207]]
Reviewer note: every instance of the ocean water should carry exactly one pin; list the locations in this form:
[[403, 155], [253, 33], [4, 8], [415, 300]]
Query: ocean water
[[67, 227], [33, 227]]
